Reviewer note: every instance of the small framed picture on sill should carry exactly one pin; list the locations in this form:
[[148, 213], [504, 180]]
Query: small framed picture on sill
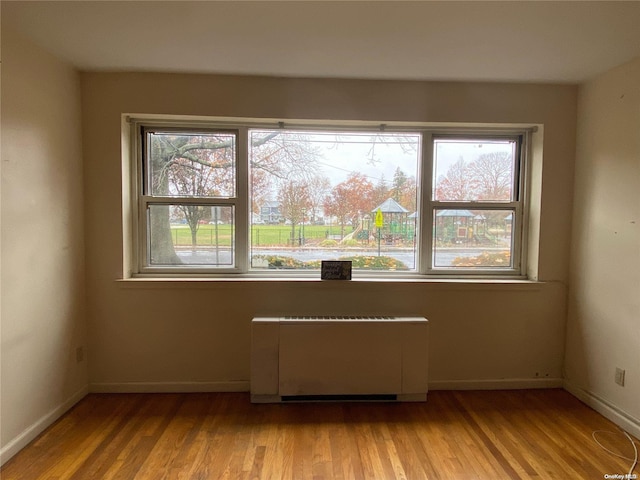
[[335, 270]]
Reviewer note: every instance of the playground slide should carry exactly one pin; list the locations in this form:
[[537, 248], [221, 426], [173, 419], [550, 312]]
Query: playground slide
[[352, 234]]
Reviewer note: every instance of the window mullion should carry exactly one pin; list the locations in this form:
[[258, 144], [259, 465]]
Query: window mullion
[[243, 213], [143, 233], [518, 238], [453, 205], [425, 216], [212, 201]]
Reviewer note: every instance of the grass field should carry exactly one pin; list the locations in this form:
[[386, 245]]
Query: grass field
[[261, 235]]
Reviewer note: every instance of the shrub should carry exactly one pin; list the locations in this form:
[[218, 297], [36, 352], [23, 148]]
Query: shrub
[[277, 261], [485, 259], [328, 243], [359, 262], [376, 263], [351, 242]]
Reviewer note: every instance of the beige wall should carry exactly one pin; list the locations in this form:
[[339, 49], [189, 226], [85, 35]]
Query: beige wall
[[604, 303], [42, 242], [162, 335], [195, 334]]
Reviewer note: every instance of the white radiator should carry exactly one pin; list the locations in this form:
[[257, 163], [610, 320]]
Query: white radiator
[[315, 358]]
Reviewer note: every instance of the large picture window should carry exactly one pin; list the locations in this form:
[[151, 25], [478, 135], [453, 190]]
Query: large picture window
[[254, 199], [315, 196]]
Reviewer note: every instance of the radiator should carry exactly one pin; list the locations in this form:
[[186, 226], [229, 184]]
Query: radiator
[[332, 358]]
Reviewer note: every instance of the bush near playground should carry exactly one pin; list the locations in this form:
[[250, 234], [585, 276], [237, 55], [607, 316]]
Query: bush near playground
[[485, 259], [358, 262]]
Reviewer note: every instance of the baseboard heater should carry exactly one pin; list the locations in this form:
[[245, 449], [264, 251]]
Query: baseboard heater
[[339, 358]]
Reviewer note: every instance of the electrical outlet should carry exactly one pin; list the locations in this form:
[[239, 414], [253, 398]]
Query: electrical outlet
[[619, 376], [79, 354]]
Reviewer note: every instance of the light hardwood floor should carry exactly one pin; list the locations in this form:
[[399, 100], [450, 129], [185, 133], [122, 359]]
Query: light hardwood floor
[[454, 435]]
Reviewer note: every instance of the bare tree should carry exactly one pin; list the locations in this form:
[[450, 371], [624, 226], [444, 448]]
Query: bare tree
[[407, 142], [318, 188], [202, 179], [456, 184], [261, 189], [192, 165], [294, 201], [283, 154], [492, 174], [186, 166], [489, 177]]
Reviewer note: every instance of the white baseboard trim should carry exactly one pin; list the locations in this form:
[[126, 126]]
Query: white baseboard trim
[[244, 386], [499, 384], [625, 421], [28, 435], [170, 387]]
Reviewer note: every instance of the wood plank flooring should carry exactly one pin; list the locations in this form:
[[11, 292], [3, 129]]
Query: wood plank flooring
[[539, 434]]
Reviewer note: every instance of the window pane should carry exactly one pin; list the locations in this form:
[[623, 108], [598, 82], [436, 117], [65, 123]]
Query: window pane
[[476, 239], [191, 165], [315, 196], [191, 235], [474, 170]]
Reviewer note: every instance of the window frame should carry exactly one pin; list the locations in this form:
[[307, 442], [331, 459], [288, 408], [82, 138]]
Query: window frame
[[424, 268], [518, 204], [145, 199]]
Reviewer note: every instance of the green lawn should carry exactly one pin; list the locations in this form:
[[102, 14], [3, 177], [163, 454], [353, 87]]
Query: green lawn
[[261, 235], [181, 235], [276, 235]]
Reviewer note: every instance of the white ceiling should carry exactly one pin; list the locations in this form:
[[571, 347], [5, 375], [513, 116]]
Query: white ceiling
[[552, 41]]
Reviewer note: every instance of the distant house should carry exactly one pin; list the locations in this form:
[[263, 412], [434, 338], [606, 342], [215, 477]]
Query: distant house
[[270, 212]]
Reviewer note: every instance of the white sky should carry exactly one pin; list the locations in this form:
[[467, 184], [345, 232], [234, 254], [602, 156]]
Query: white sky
[[356, 153], [343, 153], [353, 153], [448, 152]]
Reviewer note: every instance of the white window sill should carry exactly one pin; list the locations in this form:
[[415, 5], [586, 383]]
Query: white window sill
[[216, 282]]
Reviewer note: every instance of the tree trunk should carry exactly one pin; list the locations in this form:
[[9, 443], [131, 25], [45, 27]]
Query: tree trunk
[[162, 251], [194, 238]]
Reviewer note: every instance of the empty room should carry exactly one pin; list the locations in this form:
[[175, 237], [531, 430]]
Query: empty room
[[320, 239]]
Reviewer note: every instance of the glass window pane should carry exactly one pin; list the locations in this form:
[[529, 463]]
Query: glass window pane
[[473, 239], [315, 196], [191, 165], [474, 170], [191, 235]]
